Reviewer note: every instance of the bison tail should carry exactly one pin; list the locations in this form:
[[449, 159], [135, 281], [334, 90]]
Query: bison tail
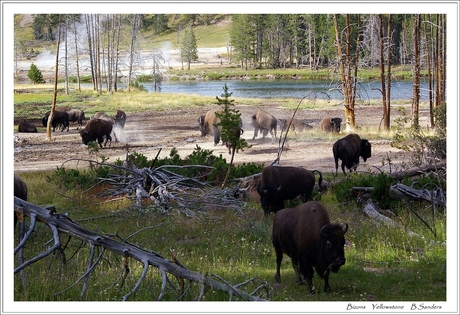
[[320, 180]]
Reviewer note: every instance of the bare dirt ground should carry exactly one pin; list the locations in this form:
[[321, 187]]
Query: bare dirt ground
[[147, 133]]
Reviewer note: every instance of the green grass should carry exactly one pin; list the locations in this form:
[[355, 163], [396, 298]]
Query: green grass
[[383, 263]]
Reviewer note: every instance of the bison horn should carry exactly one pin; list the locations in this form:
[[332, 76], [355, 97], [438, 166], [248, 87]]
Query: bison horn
[[322, 232], [279, 188], [345, 229], [332, 120]]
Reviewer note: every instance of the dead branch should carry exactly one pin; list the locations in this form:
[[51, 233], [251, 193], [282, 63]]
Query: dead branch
[[60, 224], [419, 170]]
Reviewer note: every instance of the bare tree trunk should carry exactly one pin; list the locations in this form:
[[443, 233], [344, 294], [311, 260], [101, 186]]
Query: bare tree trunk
[[66, 55], [115, 79], [386, 80], [416, 72], [89, 31], [56, 72], [98, 55], [429, 55], [76, 54], [134, 28]]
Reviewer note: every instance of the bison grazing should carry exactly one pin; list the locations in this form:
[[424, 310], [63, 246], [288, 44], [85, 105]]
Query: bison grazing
[[265, 123], [349, 149], [208, 125], [59, 118], [96, 129], [76, 115], [279, 183], [25, 126], [330, 124], [306, 235], [20, 191]]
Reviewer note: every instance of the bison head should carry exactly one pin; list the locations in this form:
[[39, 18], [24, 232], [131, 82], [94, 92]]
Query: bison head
[[332, 243], [86, 136], [335, 124], [269, 198], [201, 124], [365, 149]]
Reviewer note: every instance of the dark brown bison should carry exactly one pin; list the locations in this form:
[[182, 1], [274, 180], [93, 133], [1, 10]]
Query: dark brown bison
[[265, 123], [25, 126], [279, 183], [349, 149], [116, 124], [306, 234], [330, 124], [20, 191], [208, 125], [59, 118], [97, 129], [76, 115]]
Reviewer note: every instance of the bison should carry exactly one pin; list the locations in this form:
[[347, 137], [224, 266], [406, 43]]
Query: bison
[[330, 124], [25, 126], [349, 149], [20, 191], [96, 129], [59, 118], [208, 125], [120, 119], [265, 123], [295, 124], [76, 115], [306, 234], [279, 183]]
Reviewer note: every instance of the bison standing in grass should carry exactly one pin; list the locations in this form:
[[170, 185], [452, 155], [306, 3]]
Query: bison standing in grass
[[20, 191], [330, 124], [306, 234], [76, 115], [97, 129], [349, 149], [59, 118], [25, 126], [279, 183], [265, 123]]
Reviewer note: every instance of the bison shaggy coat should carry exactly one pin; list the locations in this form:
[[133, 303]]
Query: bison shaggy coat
[[330, 124], [76, 115], [59, 118], [20, 191], [96, 129], [208, 125], [265, 123], [279, 183], [306, 235], [25, 126], [349, 149]]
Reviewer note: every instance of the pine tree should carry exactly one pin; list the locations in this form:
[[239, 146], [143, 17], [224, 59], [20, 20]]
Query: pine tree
[[189, 51], [230, 121], [35, 75]]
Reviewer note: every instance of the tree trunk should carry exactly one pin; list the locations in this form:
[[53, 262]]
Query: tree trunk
[[416, 72], [76, 54], [56, 72]]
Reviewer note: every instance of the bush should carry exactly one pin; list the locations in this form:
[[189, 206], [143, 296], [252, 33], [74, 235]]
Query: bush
[[35, 75]]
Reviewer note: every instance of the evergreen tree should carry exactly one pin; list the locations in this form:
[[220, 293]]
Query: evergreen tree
[[189, 51], [230, 121], [35, 75]]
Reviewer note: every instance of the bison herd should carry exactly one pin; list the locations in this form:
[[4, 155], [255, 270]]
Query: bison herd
[[303, 233]]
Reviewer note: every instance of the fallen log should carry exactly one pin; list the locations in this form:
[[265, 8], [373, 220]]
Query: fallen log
[[419, 170], [60, 223]]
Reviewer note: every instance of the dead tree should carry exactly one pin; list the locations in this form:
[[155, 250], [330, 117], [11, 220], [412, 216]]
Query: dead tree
[[62, 224]]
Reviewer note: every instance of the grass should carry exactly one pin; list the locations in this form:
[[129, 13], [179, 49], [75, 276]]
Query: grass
[[383, 263]]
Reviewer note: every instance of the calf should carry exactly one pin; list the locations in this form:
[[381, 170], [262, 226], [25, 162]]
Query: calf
[[306, 234]]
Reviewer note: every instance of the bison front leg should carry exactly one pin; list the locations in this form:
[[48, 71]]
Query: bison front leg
[[327, 288], [295, 265], [279, 258], [256, 132]]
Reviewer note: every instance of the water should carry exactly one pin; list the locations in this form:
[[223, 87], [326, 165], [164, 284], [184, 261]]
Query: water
[[401, 90]]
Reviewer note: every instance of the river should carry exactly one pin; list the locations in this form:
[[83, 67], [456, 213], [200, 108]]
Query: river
[[401, 90]]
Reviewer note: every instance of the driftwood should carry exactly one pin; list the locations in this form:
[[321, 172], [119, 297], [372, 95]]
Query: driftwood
[[61, 224], [419, 170]]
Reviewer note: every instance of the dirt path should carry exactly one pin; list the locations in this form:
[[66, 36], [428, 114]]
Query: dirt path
[[146, 133]]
